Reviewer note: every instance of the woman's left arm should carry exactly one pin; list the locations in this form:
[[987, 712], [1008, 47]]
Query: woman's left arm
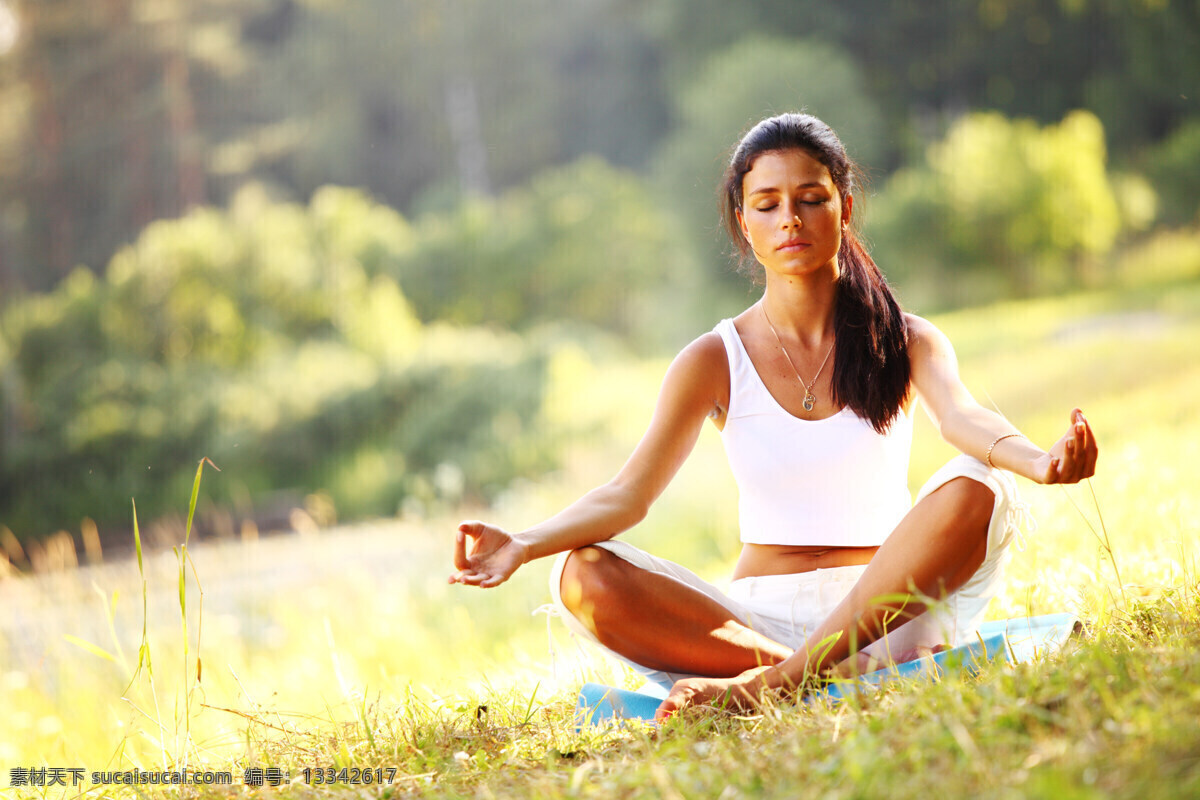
[[983, 433]]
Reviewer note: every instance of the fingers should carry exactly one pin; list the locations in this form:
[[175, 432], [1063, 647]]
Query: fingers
[[1073, 457], [1068, 466], [484, 580], [460, 546], [1051, 474], [1079, 445], [1091, 449], [489, 559], [1081, 452], [466, 574]]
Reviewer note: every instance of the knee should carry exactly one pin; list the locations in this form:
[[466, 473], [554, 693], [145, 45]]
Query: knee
[[587, 577], [971, 502]]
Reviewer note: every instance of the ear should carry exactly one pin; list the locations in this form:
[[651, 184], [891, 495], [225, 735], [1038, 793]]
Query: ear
[[742, 223], [847, 207]]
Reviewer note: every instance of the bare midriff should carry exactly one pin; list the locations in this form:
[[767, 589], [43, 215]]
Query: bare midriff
[[780, 559]]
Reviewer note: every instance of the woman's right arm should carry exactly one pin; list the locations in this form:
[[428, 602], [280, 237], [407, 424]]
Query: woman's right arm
[[696, 387]]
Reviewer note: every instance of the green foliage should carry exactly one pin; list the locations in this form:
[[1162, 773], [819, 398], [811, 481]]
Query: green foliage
[[1169, 255], [271, 339], [1026, 204], [586, 242], [1136, 200], [493, 130], [761, 75], [1174, 167], [110, 121]]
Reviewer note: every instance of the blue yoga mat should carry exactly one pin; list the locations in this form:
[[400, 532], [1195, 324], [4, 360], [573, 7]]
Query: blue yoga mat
[[1015, 640]]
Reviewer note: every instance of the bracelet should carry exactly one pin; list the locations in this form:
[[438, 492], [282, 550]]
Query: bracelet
[[997, 441]]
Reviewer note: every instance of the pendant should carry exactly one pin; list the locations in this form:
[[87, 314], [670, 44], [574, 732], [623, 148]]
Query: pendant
[[809, 399]]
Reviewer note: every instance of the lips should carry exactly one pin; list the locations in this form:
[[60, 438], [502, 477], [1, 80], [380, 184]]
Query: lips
[[794, 245]]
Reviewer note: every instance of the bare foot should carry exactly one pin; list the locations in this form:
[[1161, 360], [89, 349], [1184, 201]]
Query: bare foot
[[862, 663]]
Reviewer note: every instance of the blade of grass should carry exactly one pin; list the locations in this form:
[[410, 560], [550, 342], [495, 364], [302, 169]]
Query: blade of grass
[[1107, 544], [195, 493], [110, 611], [91, 648], [1101, 537], [181, 553], [529, 708], [144, 646]]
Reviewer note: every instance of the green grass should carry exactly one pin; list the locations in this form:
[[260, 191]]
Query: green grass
[[348, 649]]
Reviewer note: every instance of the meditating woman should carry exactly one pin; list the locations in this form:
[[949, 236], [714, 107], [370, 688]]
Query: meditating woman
[[813, 389]]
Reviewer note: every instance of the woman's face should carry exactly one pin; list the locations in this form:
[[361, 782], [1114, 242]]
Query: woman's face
[[792, 214]]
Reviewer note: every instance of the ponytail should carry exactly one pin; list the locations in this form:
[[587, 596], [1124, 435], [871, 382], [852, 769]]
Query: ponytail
[[871, 370]]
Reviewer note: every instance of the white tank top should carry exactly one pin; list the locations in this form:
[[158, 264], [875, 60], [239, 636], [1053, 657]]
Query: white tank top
[[833, 482]]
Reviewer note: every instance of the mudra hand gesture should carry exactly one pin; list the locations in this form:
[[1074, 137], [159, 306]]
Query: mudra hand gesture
[[493, 556], [1073, 457]]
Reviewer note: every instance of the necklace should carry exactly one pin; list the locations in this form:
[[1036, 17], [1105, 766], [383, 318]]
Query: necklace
[[809, 398]]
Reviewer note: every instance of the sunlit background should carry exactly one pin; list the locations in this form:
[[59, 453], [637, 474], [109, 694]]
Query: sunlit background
[[389, 263]]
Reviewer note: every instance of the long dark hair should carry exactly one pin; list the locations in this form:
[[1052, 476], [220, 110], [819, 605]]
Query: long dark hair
[[870, 363]]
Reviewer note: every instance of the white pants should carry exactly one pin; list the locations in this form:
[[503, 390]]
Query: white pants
[[786, 608]]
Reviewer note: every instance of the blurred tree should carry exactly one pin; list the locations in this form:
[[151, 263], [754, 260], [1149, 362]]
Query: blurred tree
[[117, 114], [693, 31], [585, 242], [1132, 62], [1174, 167], [105, 118], [14, 113], [1000, 199], [132, 110], [121, 113], [411, 98], [271, 339]]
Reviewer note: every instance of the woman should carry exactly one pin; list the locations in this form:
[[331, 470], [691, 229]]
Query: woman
[[812, 388]]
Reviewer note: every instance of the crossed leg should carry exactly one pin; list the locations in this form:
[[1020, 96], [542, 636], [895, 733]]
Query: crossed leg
[[661, 623], [934, 551]]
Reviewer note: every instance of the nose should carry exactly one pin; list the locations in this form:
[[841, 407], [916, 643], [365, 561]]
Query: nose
[[794, 222]]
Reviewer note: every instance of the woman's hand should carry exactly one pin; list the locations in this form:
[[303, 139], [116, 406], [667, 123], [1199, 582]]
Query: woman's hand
[[494, 555], [741, 692], [1072, 458]]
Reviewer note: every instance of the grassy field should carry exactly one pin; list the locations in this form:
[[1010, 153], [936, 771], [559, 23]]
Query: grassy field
[[346, 648]]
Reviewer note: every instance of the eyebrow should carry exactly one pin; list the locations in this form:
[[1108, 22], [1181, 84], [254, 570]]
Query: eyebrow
[[769, 189]]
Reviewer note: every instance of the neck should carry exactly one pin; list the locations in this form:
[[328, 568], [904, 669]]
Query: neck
[[801, 308]]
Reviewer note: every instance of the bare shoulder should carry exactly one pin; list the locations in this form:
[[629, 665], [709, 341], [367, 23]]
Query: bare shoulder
[[934, 364], [705, 351], [701, 373], [920, 328], [703, 361], [925, 338]]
